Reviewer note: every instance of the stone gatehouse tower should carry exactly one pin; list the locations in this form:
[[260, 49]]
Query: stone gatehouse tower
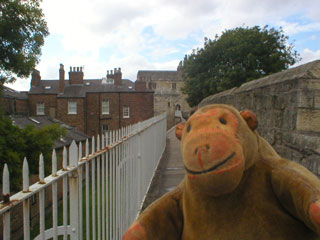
[[168, 97]]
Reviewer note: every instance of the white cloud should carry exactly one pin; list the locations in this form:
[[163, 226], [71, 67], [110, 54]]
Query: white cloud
[[296, 27], [115, 28], [308, 55]]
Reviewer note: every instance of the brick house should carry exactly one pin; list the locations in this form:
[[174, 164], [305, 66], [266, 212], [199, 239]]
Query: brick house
[[93, 106], [14, 102]]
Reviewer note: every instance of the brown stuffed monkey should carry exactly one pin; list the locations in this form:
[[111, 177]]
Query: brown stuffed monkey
[[236, 186]]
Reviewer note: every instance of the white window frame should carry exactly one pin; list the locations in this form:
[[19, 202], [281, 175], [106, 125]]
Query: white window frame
[[40, 108], [105, 106], [126, 112], [72, 107]]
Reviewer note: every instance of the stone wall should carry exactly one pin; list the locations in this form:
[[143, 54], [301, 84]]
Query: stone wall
[[287, 105], [168, 97]]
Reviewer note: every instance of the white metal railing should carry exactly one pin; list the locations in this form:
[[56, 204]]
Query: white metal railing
[[108, 186]]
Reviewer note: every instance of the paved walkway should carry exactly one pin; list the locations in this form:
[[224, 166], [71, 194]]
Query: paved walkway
[[170, 171]]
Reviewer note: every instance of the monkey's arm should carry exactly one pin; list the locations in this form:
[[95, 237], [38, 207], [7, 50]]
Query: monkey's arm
[[161, 220], [298, 191]]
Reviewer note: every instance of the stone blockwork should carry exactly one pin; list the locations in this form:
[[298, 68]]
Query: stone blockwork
[[168, 97], [287, 105]]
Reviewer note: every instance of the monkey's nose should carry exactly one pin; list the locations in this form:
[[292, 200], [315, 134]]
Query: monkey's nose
[[204, 148]]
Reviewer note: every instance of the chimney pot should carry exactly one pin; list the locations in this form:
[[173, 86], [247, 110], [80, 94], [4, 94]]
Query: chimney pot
[[111, 72], [115, 70]]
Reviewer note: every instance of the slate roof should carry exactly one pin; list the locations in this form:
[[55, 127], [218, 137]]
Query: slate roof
[[11, 93], [41, 121], [80, 90], [160, 75]]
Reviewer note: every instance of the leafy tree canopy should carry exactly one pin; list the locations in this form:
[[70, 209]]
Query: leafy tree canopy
[[22, 33], [237, 56], [16, 143]]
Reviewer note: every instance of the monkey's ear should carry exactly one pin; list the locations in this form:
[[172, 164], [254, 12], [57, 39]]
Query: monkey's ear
[[179, 130], [250, 118]]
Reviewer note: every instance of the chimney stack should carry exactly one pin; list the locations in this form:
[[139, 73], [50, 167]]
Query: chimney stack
[[116, 75], [35, 78], [61, 78], [76, 75]]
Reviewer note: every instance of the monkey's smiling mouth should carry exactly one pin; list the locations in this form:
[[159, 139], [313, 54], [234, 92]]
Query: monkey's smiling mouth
[[212, 168]]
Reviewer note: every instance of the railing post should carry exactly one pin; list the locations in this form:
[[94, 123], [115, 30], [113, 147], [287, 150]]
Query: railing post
[[26, 204], [6, 197], [139, 164], [74, 192]]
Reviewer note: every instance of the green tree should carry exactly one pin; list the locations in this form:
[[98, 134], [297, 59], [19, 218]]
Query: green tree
[[239, 55], [12, 146], [22, 33], [16, 143]]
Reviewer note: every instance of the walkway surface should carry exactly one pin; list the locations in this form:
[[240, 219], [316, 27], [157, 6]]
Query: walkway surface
[[170, 171]]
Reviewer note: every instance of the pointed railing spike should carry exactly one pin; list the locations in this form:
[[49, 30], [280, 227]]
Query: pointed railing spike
[[41, 169], [80, 150], [5, 184], [103, 142], [98, 142], [107, 139], [25, 175], [92, 146], [54, 163], [65, 157], [87, 147], [73, 152]]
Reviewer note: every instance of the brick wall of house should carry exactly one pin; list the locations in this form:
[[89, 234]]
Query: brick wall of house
[[92, 118], [6, 105], [74, 120], [49, 101], [21, 106], [14, 106], [111, 119], [89, 118], [140, 104]]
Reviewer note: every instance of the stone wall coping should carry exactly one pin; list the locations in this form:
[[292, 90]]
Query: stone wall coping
[[306, 71]]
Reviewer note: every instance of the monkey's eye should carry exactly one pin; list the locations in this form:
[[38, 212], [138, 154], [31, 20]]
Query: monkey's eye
[[189, 128], [223, 121]]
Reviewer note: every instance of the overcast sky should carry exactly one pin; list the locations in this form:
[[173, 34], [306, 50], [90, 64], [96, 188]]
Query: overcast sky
[[156, 34]]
